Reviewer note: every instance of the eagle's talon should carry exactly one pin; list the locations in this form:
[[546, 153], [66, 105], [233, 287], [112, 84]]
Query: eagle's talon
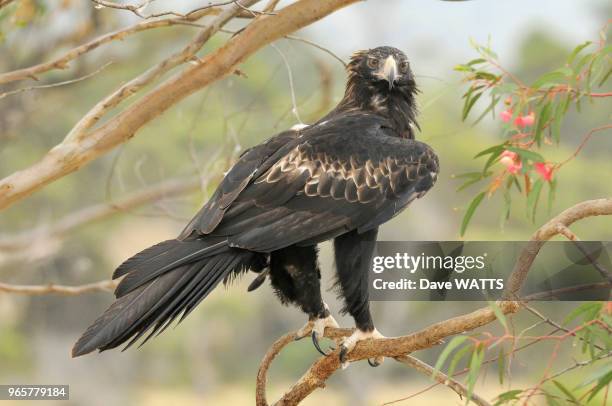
[[342, 356], [351, 341], [316, 329], [315, 342], [305, 330], [375, 362]]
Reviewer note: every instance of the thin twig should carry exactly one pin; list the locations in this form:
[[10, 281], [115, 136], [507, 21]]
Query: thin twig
[[455, 385], [66, 82], [553, 323], [62, 61], [570, 289], [577, 365], [291, 86], [584, 141], [137, 8], [318, 46]]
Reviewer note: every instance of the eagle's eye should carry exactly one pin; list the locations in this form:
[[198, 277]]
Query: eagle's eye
[[403, 66], [372, 63]]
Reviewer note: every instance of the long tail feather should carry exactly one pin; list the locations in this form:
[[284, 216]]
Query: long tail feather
[[159, 286]]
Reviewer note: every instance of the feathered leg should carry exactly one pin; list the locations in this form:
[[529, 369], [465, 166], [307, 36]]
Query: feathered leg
[[353, 252], [296, 278]]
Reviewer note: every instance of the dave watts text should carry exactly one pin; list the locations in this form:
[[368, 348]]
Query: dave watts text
[[426, 284]]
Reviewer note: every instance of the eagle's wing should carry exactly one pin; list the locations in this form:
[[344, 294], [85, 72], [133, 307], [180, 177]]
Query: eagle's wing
[[348, 173], [251, 163]]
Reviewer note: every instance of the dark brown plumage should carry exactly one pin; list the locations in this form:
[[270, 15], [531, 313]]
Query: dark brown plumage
[[339, 178]]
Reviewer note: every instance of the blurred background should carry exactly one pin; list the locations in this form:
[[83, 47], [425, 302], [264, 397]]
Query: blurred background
[[212, 357]]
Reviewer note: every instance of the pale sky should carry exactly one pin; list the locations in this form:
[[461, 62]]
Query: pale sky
[[437, 33]]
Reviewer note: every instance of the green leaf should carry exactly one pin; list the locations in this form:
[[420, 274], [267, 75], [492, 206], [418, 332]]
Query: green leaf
[[475, 177], [504, 88], [551, 400], [566, 391], [470, 211], [498, 313], [593, 377], [576, 51], [542, 120], [454, 343], [487, 76], [469, 104], [476, 61], [517, 184], [507, 202], [566, 103], [605, 77], [490, 150], [602, 383], [494, 101], [526, 154], [508, 396], [492, 159], [588, 309], [552, 192], [456, 358], [463, 68], [557, 119], [532, 199], [582, 62], [501, 365], [552, 78], [474, 370]]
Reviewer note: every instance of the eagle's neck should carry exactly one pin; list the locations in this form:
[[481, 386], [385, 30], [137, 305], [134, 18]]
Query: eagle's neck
[[398, 105]]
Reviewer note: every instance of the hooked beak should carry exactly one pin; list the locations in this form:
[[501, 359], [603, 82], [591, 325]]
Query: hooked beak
[[390, 70]]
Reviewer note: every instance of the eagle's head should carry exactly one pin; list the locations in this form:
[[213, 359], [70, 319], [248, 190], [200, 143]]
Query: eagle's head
[[380, 81], [384, 68]]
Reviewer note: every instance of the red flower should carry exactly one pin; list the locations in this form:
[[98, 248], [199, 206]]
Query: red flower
[[511, 161], [544, 170], [515, 167], [506, 116], [525, 121]]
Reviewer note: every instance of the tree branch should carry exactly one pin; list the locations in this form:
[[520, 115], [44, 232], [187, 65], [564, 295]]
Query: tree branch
[[553, 227], [77, 150], [4, 3], [38, 290], [394, 347], [99, 212]]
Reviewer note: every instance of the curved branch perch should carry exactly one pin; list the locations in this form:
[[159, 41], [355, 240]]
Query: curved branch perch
[[391, 347], [400, 347]]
